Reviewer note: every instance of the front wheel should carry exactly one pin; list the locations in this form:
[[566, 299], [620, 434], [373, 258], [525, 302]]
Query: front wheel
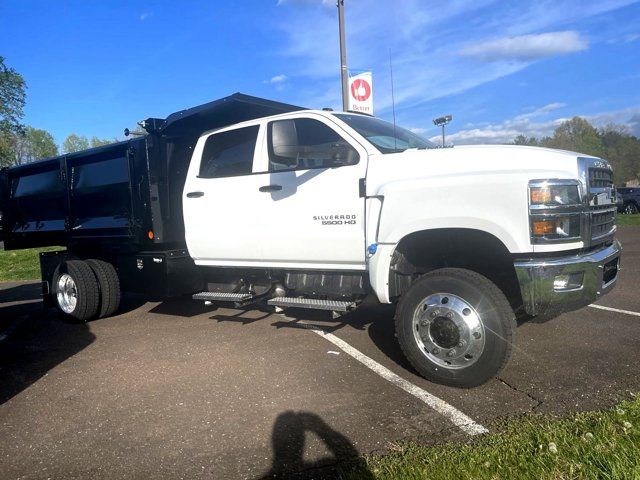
[[455, 327]]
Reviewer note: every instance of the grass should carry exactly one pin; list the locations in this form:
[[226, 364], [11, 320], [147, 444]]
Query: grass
[[594, 445], [21, 264], [628, 220]]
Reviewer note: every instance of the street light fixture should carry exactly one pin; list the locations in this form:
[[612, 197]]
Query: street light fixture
[[441, 122]]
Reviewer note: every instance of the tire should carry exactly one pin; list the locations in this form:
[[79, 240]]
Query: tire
[[109, 284], [455, 327], [75, 291], [630, 209]]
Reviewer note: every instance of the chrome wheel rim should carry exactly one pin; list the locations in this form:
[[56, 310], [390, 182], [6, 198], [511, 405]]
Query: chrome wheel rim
[[449, 331], [67, 293]]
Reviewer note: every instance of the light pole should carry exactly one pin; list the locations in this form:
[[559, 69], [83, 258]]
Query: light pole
[[441, 122], [343, 57]]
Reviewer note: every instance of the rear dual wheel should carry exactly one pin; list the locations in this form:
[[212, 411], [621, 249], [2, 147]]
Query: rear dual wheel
[[455, 327], [84, 290]]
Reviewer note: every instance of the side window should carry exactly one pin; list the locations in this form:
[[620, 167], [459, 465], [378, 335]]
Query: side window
[[229, 153], [304, 143]]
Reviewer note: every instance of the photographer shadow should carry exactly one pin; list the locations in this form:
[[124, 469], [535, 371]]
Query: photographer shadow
[[289, 440]]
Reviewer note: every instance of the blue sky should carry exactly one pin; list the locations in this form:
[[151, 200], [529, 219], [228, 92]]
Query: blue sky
[[499, 67]]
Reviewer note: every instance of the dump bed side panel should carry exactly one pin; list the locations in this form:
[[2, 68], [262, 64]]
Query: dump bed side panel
[[93, 196], [34, 205], [100, 194]]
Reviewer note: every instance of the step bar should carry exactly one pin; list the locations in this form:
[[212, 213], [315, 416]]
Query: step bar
[[296, 302], [222, 297]]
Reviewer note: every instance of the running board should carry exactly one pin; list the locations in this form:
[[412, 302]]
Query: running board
[[222, 297], [331, 305]]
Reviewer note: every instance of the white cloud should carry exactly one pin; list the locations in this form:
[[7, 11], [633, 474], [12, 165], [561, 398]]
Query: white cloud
[[421, 40], [628, 38], [277, 79], [526, 48], [538, 112], [144, 16], [506, 131]]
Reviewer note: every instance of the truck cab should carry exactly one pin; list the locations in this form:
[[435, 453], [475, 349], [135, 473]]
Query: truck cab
[[338, 206]]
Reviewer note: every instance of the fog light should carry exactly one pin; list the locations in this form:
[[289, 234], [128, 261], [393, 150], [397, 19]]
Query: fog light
[[572, 281]]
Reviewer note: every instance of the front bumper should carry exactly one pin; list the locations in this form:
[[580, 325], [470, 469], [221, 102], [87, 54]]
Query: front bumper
[[555, 285]]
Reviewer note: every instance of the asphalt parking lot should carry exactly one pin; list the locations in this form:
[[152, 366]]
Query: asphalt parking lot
[[177, 390]]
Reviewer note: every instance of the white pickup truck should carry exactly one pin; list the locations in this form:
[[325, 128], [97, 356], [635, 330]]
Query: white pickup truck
[[324, 210]]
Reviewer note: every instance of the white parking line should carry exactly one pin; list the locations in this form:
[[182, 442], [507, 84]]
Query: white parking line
[[617, 310], [454, 415]]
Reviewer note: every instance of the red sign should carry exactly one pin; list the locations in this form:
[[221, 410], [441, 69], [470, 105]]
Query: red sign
[[360, 90]]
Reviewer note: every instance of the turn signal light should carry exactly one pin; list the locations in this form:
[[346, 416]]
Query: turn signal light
[[544, 227], [540, 196], [150, 234]]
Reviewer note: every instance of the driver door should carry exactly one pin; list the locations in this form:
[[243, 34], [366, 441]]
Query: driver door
[[311, 211]]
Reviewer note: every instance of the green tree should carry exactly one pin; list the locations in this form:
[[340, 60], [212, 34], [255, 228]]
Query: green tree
[[12, 100], [524, 140], [75, 143], [98, 142], [623, 151], [37, 144], [577, 135], [7, 149], [612, 142]]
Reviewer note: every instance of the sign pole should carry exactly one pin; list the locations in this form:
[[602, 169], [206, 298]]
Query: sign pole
[[343, 57]]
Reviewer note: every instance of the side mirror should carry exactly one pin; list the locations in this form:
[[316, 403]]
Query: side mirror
[[342, 155], [284, 141]]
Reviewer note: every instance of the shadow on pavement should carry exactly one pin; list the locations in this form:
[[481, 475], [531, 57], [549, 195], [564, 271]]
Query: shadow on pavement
[[182, 306], [35, 340], [20, 293], [377, 320], [288, 438]]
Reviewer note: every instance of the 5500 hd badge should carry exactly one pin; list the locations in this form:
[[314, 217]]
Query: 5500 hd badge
[[335, 219]]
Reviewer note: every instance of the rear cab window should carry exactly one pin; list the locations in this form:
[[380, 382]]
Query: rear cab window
[[229, 153]]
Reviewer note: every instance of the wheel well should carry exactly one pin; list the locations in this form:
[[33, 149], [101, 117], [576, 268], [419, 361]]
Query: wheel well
[[426, 250]]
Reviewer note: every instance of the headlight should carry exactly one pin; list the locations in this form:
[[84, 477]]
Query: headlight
[[555, 211], [554, 194]]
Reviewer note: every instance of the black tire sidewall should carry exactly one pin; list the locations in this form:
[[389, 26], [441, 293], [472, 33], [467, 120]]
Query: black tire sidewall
[[109, 286], [495, 312], [87, 288]]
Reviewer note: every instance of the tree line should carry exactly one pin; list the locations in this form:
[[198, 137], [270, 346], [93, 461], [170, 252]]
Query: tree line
[[612, 142], [21, 143]]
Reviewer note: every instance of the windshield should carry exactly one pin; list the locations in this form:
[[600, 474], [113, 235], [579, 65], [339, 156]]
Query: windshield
[[384, 135]]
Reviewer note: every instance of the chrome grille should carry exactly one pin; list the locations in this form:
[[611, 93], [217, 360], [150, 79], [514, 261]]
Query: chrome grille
[[601, 216], [600, 178], [603, 221]]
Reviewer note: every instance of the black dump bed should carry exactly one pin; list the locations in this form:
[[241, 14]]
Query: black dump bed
[[125, 196]]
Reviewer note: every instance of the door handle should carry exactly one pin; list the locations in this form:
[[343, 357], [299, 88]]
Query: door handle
[[195, 194], [270, 188]]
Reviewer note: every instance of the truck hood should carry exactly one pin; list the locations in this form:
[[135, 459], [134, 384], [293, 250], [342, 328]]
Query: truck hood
[[466, 162]]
